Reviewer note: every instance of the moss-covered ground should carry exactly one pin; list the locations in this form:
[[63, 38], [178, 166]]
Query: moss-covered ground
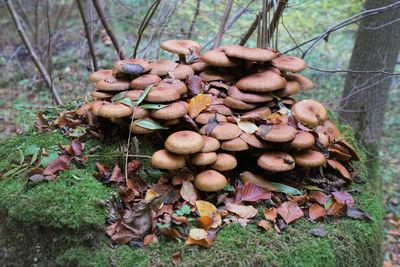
[[62, 223]]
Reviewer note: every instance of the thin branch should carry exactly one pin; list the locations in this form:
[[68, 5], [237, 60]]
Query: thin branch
[[225, 17], [275, 20], [355, 71], [250, 31], [196, 13], [88, 35], [32, 53], [107, 27], [144, 24]]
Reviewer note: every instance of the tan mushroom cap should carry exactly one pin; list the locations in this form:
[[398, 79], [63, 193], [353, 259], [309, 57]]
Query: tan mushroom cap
[[174, 110], [112, 84], [166, 160], [338, 154], [210, 75], [219, 59], [210, 181], [140, 113], [309, 158], [304, 82], [198, 66], [310, 112], [162, 93], [101, 95], [291, 88], [137, 129], [261, 113], [100, 75], [210, 144], [87, 107], [184, 142], [184, 47], [203, 118], [133, 66], [224, 162], [238, 104], [134, 94], [323, 139], [167, 123], [276, 161], [181, 72], [340, 168], [236, 144], [203, 158], [288, 101], [348, 147], [219, 85], [220, 109], [252, 140], [223, 131], [248, 97], [141, 82], [302, 140], [96, 105], [262, 82], [162, 67], [251, 54], [214, 91], [114, 110], [174, 84], [289, 63], [329, 129], [276, 133]]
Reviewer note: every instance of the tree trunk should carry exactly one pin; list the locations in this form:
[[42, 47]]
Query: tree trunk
[[366, 90]]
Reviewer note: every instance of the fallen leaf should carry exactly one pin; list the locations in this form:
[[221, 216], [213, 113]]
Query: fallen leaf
[[205, 222], [61, 163], [250, 192], [243, 222], [271, 214], [319, 232], [148, 239], [290, 211], [263, 130], [199, 103], [77, 148], [123, 237], [36, 178], [205, 208], [241, 210], [116, 175], [194, 84], [357, 214], [211, 124], [343, 197], [247, 126], [200, 237], [179, 219], [171, 232], [319, 197], [177, 258], [149, 124], [41, 122], [336, 209], [316, 211], [150, 194], [264, 224], [300, 200], [189, 193]]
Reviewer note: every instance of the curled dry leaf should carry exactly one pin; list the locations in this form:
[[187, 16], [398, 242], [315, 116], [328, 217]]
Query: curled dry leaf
[[148, 239], [171, 232], [61, 163], [247, 126], [200, 237], [199, 103], [195, 84], [250, 192], [336, 209], [205, 222], [343, 197], [316, 211], [263, 130], [241, 210], [319, 197], [264, 224], [205, 208], [271, 214], [116, 175], [290, 211], [188, 192], [357, 214]]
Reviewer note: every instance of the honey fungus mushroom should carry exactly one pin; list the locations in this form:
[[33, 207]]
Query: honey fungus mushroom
[[180, 47], [310, 112], [276, 161], [210, 181], [166, 160], [184, 142]]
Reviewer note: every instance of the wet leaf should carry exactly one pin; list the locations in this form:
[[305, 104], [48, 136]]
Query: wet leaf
[[316, 211], [264, 224], [242, 210], [199, 103], [357, 214], [126, 101], [144, 94], [247, 126], [205, 222], [271, 214], [153, 106], [319, 232], [343, 197], [263, 130], [290, 211], [149, 124], [61, 163], [211, 124], [250, 192], [205, 208], [188, 192]]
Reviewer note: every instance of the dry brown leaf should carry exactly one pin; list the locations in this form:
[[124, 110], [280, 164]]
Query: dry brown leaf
[[319, 197], [241, 210], [116, 175], [316, 211], [290, 211], [171, 232], [199, 103], [205, 222], [177, 258], [247, 126], [59, 164], [200, 237], [150, 194], [189, 192], [271, 214], [264, 224], [179, 219], [148, 239], [251, 193], [205, 208], [336, 209], [343, 197], [248, 177]]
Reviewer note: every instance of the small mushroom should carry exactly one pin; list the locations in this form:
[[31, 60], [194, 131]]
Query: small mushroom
[[141, 82], [276, 161], [302, 140], [210, 144], [262, 82], [237, 104], [180, 47], [250, 54], [310, 112], [204, 117], [309, 158], [101, 95], [130, 67], [203, 158], [112, 84], [174, 110], [224, 162], [210, 75], [162, 67], [184, 142], [236, 144], [166, 160], [289, 63], [100, 75], [210, 181], [219, 59], [276, 133], [304, 82], [223, 131], [248, 97]]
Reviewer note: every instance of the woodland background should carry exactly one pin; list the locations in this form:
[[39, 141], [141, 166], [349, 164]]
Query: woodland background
[[56, 32]]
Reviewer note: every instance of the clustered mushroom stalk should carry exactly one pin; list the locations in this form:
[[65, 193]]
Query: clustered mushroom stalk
[[246, 106]]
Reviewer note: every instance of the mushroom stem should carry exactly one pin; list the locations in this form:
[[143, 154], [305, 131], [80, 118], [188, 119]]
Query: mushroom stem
[[182, 59]]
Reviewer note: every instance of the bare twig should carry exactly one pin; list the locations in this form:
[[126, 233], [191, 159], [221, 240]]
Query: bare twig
[[196, 13], [144, 24], [32, 53], [354, 71], [225, 17], [88, 35], [107, 27], [250, 31], [275, 20]]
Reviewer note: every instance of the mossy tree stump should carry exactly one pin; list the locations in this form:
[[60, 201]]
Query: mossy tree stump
[[61, 223]]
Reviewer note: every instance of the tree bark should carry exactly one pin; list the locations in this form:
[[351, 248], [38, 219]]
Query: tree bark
[[365, 95]]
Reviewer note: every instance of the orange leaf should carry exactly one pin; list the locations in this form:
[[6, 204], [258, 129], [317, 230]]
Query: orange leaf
[[199, 103], [241, 210], [316, 211], [148, 239], [271, 214], [319, 197], [205, 222], [264, 224], [205, 208], [336, 209], [200, 237], [290, 211]]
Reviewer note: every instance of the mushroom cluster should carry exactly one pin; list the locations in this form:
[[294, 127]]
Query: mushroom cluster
[[238, 100]]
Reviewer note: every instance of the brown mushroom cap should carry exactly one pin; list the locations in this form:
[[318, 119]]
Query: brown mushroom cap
[[310, 112], [276, 161], [261, 113], [174, 110], [220, 109], [248, 97], [276, 133], [329, 129], [323, 139], [309, 158], [114, 110], [251, 54], [210, 75], [338, 154], [252, 140], [288, 101], [203, 118], [174, 84], [198, 66], [162, 67], [184, 47], [219, 85], [289, 63], [181, 72], [210, 181], [203, 158], [167, 123], [302, 140], [210, 144], [112, 84], [224, 162], [236, 144], [262, 82], [304, 82], [219, 59], [184, 142], [101, 95], [340, 168], [100, 75], [348, 147], [223, 131], [162, 93], [96, 105], [291, 88], [166, 160], [237, 104], [134, 94], [141, 82], [133, 66]]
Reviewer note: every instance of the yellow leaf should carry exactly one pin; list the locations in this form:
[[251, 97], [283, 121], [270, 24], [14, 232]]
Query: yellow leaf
[[205, 208], [150, 194], [247, 126], [199, 103]]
